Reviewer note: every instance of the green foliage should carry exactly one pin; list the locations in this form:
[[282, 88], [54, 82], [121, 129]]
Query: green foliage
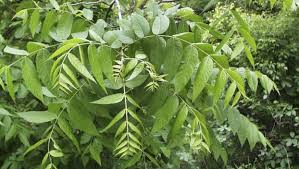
[[276, 52], [132, 91]]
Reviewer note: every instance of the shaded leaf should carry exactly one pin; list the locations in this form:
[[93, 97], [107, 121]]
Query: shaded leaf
[[186, 70], [165, 113], [203, 74]]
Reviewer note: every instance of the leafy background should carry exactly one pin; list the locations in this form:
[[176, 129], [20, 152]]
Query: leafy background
[[275, 30]]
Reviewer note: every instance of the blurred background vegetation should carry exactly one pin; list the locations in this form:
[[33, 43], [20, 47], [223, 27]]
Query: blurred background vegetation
[[276, 31]]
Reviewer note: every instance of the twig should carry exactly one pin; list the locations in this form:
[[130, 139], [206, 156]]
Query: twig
[[89, 3], [109, 9]]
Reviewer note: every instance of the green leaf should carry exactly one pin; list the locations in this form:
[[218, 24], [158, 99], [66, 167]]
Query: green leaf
[[185, 36], [138, 69], [124, 37], [80, 117], [69, 72], [95, 63], [252, 80], [65, 127], [111, 99], [88, 14], [95, 149], [221, 61], [224, 41], [211, 30], [9, 83], [31, 79], [236, 98], [287, 4], [267, 83], [250, 40], [234, 119], [119, 116], [237, 50], [38, 116], [55, 4], [203, 124], [204, 49], [218, 149], [134, 115], [219, 86], [49, 21], [34, 146], [11, 132], [79, 66], [203, 74], [4, 112], [97, 30], [229, 93], [235, 76], [34, 22], [249, 56], [134, 128], [132, 101], [64, 27], [178, 123], [62, 49], [140, 25], [49, 166], [56, 153], [22, 14], [174, 53], [152, 159], [106, 57], [240, 20], [253, 135], [160, 25], [165, 113], [139, 80], [34, 46], [43, 66], [186, 70], [111, 37], [130, 65], [15, 51], [121, 128]]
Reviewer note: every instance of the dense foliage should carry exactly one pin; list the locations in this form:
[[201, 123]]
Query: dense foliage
[[116, 84], [277, 41]]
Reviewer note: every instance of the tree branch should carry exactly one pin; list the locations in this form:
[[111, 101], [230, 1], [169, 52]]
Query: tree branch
[[109, 10]]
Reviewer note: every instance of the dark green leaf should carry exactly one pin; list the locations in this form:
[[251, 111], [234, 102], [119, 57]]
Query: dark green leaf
[[165, 113], [186, 70]]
